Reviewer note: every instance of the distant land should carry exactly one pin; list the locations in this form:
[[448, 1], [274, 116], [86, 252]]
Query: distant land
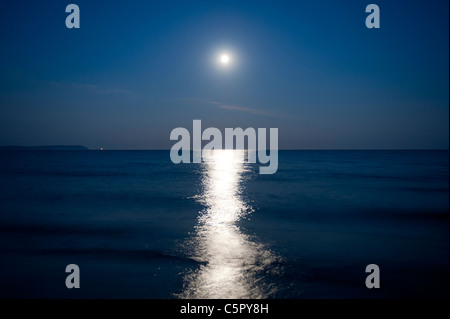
[[44, 148]]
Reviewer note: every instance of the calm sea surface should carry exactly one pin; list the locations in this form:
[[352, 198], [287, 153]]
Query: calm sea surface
[[139, 226]]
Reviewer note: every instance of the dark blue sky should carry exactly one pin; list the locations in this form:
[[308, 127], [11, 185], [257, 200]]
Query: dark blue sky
[[137, 69]]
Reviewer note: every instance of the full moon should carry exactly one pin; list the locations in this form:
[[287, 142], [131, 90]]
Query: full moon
[[224, 59]]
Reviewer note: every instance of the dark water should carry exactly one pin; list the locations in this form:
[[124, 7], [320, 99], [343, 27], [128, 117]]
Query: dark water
[[139, 226]]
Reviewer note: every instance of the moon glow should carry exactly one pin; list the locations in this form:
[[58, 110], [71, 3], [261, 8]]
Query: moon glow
[[224, 59]]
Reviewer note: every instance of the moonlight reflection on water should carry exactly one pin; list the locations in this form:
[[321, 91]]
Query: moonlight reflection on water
[[232, 264]]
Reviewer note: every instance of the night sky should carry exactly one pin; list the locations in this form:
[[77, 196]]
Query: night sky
[[135, 70]]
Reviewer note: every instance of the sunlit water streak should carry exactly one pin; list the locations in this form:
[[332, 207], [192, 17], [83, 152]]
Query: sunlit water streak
[[232, 264]]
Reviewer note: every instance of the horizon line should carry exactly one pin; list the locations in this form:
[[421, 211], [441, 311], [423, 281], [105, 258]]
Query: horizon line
[[37, 148]]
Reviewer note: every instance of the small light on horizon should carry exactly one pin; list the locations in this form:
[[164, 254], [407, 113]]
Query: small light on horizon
[[101, 148]]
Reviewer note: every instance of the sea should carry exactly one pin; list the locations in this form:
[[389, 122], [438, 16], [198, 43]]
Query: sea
[[139, 226]]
